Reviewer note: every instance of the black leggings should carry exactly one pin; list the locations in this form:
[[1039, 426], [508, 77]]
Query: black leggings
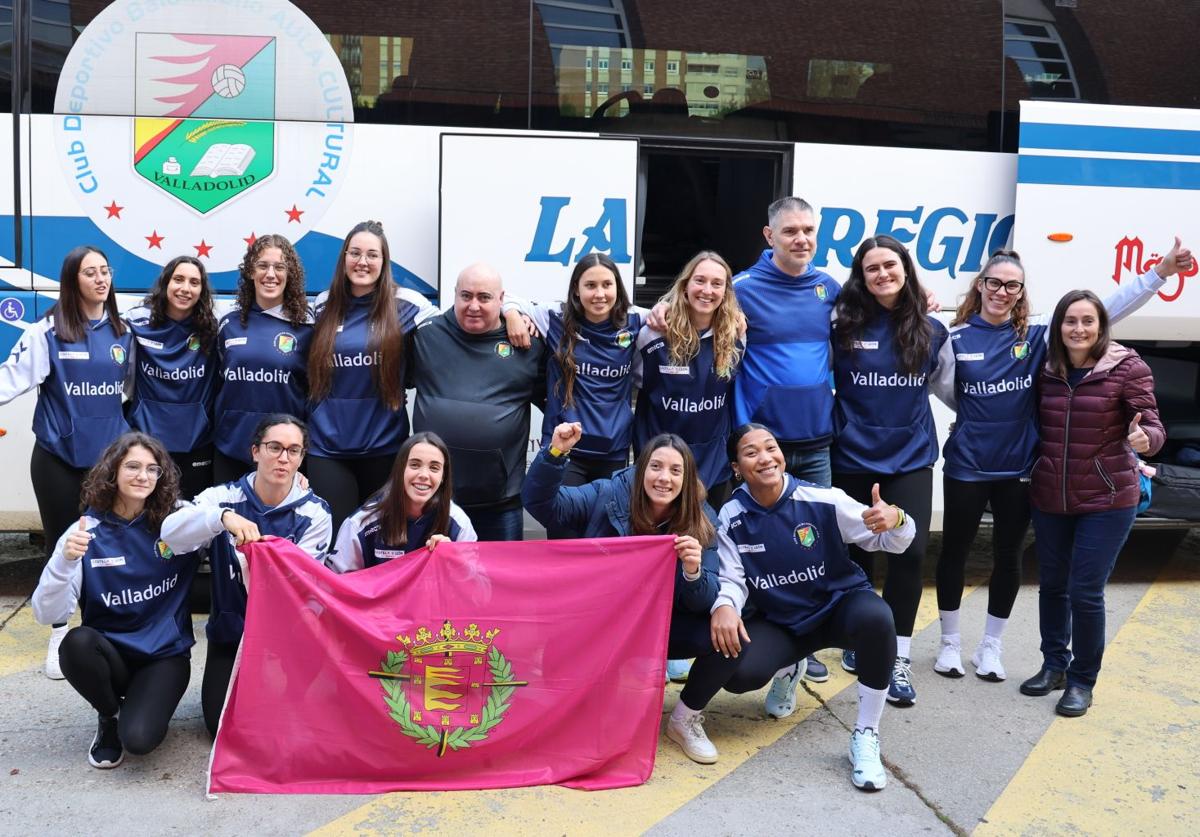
[[964, 506], [195, 470], [218, 668], [227, 469], [690, 635], [860, 621], [912, 492], [144, 692], [56, 487], [581, 472], [345, 484]]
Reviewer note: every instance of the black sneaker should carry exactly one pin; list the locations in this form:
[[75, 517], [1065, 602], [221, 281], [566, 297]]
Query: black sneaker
[[106, 752]]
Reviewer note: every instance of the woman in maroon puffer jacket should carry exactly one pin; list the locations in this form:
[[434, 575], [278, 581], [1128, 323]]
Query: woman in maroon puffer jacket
[[1097, 412]]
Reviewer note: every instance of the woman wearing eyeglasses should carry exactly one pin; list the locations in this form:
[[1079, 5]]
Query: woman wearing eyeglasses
[[130, 659], [174, 376], [268, 501], [997, 350], [262, 351], [356, 372], [78, 358]]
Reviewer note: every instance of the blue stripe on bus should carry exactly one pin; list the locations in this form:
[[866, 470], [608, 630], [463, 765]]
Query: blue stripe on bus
[[1083, 171], [1109, 138]]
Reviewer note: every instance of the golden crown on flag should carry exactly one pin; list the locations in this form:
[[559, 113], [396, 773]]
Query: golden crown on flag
[[448, 639]]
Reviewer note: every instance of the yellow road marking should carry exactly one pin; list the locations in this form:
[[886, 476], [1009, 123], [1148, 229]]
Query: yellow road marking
[[1129, 766], [23, 643]]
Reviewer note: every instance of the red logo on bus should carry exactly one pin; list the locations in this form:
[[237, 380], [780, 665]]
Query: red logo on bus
[[1129, 257]]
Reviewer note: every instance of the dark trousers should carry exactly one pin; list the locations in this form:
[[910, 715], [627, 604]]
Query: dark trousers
[[964, 507], [195, 470], [499, 522], [912, 492], [690, 635], [581, 471], [860, 621], [1076, 555], [808, 464], [56, 487], [218, 668], [144, 692], [719, 494], [345, 484], [227, 469]]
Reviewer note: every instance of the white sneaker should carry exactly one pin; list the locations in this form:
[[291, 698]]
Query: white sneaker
[[689, 734], [53, 669], [949, 660], [867, 771], [781, 698], [986, 660]]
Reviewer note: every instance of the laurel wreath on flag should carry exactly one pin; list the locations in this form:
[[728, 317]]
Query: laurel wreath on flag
[[461, 737]]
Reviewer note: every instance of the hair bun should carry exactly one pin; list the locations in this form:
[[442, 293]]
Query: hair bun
[[1008, 254]]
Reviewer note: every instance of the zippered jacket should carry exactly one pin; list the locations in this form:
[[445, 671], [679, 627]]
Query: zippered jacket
[[1085, 463]]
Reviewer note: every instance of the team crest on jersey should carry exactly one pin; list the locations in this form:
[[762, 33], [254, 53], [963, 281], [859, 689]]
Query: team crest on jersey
[[624, 339], [447, 691], [1020, 350], [117, 353], [806, 535], [821, 292], [285, 343], [193, 343], [236, 119], [162, 550], [503, 349]]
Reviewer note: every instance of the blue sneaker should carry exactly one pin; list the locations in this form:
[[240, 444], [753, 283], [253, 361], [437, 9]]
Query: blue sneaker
[[901, 691], [677, 670], [848, 661], [817, 672]]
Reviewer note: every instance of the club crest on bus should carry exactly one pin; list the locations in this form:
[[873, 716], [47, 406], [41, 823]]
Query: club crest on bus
[[447, 690]]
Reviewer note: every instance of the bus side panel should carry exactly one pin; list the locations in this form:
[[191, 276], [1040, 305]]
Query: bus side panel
[[18, 510]]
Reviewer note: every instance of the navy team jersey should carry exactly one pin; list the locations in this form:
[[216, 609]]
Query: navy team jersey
[[882, 420], [603, 392], [352, 420], [81, 384], [263, 370], [688, 400], [359, 544], [302, 518], [131, 587], [174, 382], [790, 560]]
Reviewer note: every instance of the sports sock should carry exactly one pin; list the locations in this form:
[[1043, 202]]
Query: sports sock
[[949, 620], [904, 646], [870, 707], [995, 626]]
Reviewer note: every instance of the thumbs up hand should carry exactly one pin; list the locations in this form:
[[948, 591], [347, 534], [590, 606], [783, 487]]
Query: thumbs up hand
[[879, 516], [1137, 438], [1177, 260], [77, 542]]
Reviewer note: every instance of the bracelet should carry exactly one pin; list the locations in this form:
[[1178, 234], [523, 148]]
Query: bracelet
[[900, 516], [555, 453]]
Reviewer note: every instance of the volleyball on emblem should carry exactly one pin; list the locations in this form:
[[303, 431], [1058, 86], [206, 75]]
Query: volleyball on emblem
[[228, 81]]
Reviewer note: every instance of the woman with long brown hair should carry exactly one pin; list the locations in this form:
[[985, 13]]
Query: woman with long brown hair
[[414, 509], [262, 351], [130, 659], [174, 381], [78, 358]]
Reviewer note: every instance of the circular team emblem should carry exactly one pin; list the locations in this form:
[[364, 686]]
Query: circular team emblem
[[11, 309], [117, 352], [285, 343], [1020, 350], [624, 339], [503, 349], [806, 535], [449, 690], [241, 117], [821, 292], [163, 551], [193, 343]]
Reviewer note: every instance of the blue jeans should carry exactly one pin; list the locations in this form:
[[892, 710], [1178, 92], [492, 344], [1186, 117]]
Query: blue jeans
[[809, 465], [1076, 555], [496, 523]]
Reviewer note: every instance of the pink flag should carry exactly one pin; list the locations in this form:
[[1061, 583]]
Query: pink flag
[[480, 665]]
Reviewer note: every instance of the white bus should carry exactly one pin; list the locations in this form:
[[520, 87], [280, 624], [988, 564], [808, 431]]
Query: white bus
[[528, 134]]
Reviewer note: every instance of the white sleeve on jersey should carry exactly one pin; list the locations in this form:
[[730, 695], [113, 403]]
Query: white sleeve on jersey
[[941, 382], [28, 364], [58, 589], [853, 530], [318, 538], [195, 524], [466, 528], [347, 551], [733, 590]]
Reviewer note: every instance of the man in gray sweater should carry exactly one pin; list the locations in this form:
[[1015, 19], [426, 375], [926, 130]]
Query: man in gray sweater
[[474, 389]]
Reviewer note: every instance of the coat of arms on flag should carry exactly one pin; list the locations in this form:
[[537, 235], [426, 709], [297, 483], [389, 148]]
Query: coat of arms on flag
[[200, 146]]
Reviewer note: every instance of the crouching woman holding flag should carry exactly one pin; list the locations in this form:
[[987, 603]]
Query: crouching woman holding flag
[[783, 550]]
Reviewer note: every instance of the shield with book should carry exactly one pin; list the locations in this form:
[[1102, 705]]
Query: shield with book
[[203, 132]]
